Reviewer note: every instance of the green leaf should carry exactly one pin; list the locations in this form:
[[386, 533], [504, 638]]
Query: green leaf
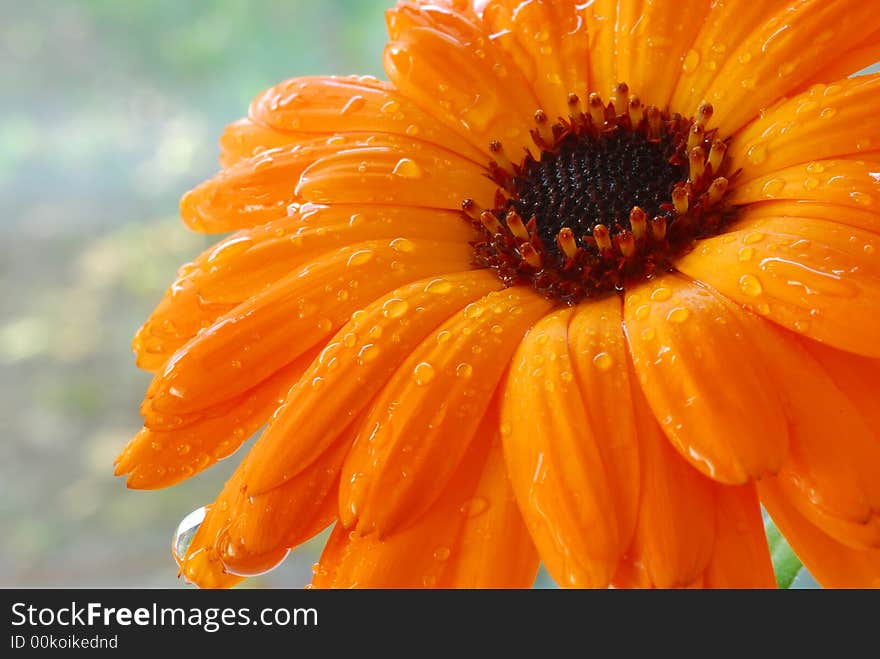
[[786, 564]]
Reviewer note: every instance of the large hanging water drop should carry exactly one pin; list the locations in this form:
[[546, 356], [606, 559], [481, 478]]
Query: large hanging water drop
[[185, 533]]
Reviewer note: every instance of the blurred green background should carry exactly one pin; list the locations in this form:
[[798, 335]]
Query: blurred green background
[[111, 110]]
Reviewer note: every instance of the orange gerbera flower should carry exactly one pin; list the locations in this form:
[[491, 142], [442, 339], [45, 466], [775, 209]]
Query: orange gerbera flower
[[496, 314]]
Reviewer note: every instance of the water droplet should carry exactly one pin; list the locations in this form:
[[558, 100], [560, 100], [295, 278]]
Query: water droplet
[[827, 113], [475, 507], [356, 219], [375, 332], [473, 310], [745, 57], [360, 257], [773, 187], [354, 104], [423, 373], [678, 315], [802, 325], [407, 168], [441, 553], [183, 449], [815, 168], [349, 339], [860, 198], [691, 61], [661, 294], [750, 285], [648, 334], [786, 69], [185, 533], [746, 254], [603, 361], [402, 245], [749, 83], [317, 383], [642, 311], [325, 324], [438, 287], [757, 153], [811, 183], [368, 353], [390, 107], [443, 336], [412, 130], [753, 238], [464, 370], [394, 308], [869, 248], [506, 428], [235, 363]]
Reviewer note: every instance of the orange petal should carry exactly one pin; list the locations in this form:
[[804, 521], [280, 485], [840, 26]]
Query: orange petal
[[832, 472], [299, 311], [419, 427], [355, 104], [247, 262], [726, 25], [410, 174], [651, 46], [675, 534], [433, 59], [549, 44], [846, 183], [353, 368], [834, 565], [783, 54], [601, 20], [685, 339], [814, 277], [741, 558], [817, 210], [260, 189], [243, 535], [165, 456], [562, 466], [472, 536], [827, 121], [257, 530], [854, 58], [245, 139]]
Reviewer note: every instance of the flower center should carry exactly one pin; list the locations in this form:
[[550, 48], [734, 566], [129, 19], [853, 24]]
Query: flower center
[[615, 195]]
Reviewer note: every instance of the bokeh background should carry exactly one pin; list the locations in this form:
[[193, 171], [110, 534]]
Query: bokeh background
[[111, 110]]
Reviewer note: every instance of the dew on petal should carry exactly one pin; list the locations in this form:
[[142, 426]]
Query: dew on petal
[[423, 373], [407, 168], [750, 285]]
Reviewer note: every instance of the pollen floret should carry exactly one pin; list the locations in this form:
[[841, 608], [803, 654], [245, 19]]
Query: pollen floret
[[612, 194]]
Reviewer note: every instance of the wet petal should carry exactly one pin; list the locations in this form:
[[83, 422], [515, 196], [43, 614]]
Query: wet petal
[[817, 278], [549, 43], [783, 54], [833, 564], [832, 472], [353, 368], [354, 104], [472, 536], [826, 121], [685, 339], [273, 328], [444, 61], [182, 447], [741, 558], [653, 41], [675, 534], [564, 468], [422, 422]]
